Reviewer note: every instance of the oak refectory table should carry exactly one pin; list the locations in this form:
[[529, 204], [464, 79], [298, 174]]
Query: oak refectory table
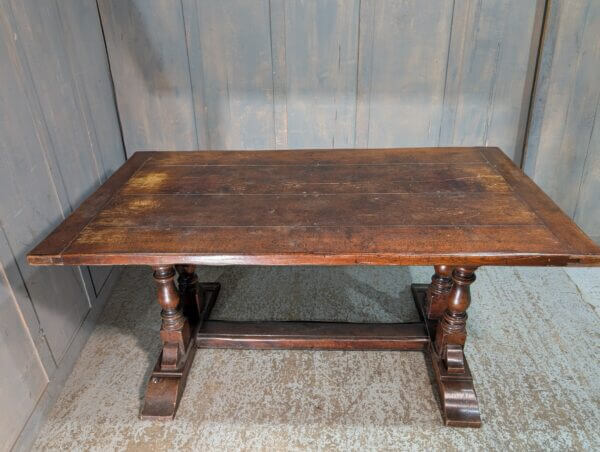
[[453, 208]]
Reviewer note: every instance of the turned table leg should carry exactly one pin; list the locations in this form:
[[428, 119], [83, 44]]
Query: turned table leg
[[455, 382], [168, 378]]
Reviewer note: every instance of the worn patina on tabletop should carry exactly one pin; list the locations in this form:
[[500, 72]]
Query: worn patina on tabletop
[[453, 208]]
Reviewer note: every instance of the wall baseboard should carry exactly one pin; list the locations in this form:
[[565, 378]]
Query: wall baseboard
[[59, 377]]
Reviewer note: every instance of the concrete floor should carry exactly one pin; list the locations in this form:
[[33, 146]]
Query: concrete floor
[[533, 348]]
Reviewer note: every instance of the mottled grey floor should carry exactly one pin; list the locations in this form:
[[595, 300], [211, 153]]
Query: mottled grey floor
[[533, 347]]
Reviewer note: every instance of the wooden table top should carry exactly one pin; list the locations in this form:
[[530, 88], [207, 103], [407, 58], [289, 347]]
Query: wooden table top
[[418, 206]]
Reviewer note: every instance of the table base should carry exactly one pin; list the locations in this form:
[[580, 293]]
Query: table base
[[457, 396]]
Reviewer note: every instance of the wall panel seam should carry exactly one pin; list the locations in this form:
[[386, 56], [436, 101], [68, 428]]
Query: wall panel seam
[[112, 82], [585, 160], [83, 106], [187, 54], [446, 72]]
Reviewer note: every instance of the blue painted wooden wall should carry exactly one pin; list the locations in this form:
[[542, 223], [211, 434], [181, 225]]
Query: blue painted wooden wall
[[241, 74], [59, 139]]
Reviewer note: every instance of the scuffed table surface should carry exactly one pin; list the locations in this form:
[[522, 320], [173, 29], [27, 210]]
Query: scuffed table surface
[[418, 206]]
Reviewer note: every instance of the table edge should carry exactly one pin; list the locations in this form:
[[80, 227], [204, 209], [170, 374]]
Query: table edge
[[306, 259]]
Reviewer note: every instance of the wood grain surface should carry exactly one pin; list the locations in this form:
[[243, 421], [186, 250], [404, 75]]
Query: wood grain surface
[[413, 206]]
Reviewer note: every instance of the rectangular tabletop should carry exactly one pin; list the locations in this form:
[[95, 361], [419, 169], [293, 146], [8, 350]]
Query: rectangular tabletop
[[417, 206]]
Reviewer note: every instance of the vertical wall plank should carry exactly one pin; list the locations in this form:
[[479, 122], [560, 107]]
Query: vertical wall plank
[[278, 59], [43, 45], [148, 56], [232, 76], [402, 66], [85, 45], [60, 134], [562, 149], [29, 210], [366, 40], [21, 373], [320, 44], [490, 71]]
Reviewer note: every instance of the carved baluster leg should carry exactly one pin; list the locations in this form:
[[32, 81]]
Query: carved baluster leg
[[455, 383], [437, 292], [168, 378]]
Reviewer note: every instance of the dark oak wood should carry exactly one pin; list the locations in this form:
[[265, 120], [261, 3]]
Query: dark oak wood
[[313, 335], [453, 208], [549, 213], [427, 206], [451, 329], [167, 381], [437, 292], [314, 179], [458, 399], [192, 302]]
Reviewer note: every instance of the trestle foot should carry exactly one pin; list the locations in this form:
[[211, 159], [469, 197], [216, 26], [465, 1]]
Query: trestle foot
[[458, 400]]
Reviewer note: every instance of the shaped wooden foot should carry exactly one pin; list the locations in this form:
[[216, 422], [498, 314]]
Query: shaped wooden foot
[[165, 389], [459, 404]]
